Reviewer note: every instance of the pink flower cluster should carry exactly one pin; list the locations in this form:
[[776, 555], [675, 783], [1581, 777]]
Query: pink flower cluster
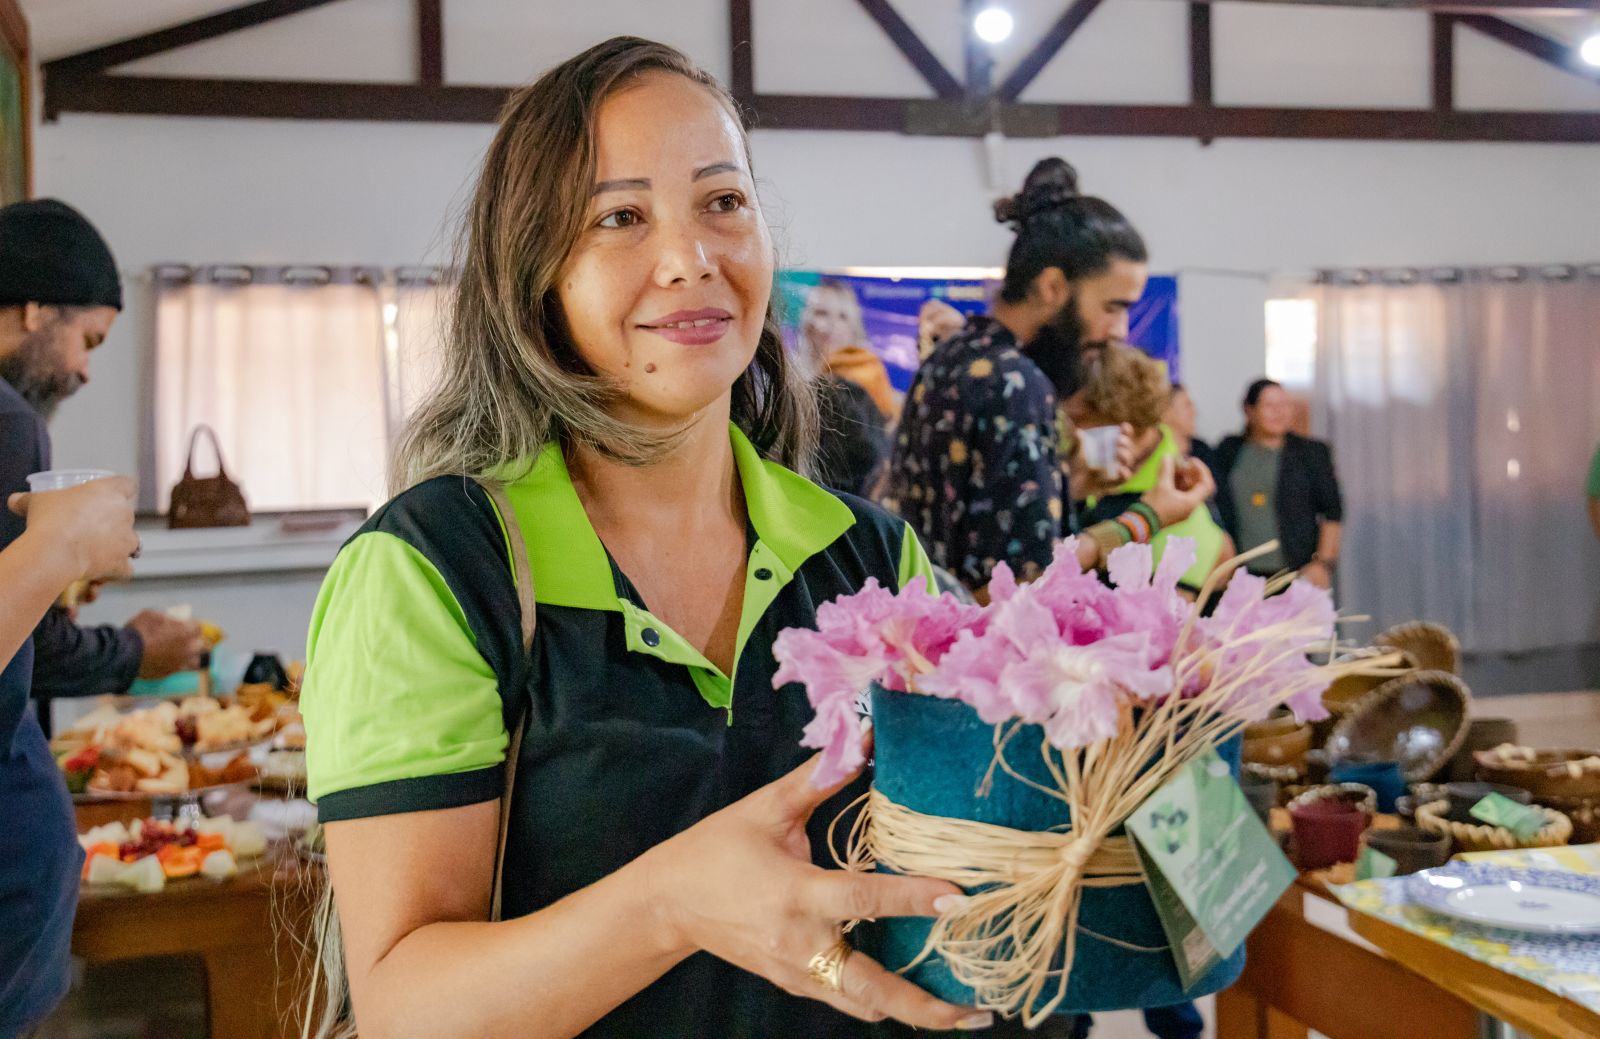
[[1066, 652]]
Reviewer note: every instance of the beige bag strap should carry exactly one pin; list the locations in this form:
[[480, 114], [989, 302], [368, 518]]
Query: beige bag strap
[[522, 576]]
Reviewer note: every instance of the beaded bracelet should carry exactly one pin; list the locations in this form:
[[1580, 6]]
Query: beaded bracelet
[[1150, 517]]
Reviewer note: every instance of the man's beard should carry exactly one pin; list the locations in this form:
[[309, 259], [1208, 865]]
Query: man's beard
[[1061, 352], [37, 376]]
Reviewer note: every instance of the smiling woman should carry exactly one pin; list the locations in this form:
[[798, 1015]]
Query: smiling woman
[[616, 390]]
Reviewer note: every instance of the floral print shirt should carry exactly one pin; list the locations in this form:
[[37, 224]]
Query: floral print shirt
[[975, 468]]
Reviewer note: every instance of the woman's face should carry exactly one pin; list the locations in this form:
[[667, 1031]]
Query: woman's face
[[666, 291], [828, 323], [1272, 413]]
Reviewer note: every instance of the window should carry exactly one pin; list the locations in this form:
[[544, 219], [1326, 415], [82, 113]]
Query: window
[[305, 373], [1292, 341]]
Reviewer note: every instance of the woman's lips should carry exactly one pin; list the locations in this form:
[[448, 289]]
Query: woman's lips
[[691, 327]]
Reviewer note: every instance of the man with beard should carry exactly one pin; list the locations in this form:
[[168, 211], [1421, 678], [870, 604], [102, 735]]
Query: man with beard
[[59, 294], [976, 469]]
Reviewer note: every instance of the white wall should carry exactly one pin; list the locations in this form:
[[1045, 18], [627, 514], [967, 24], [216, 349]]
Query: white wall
[[210, 190]]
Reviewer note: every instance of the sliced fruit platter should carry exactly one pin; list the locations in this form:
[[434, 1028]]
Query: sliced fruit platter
[[145, 854], [174, 747]]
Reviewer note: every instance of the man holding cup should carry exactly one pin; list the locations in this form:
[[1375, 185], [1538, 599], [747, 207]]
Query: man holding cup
[[59, 294]]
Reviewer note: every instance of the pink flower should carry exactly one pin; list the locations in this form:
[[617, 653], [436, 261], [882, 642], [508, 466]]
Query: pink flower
[[1067, 652], [870, 636], [1077, 692], [1261, 645]]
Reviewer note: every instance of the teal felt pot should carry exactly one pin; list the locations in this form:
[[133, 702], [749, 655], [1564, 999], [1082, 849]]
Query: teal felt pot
[[930, 756]]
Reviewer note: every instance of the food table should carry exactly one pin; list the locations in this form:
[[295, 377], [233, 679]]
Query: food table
[[1302, 976], [249, 931]]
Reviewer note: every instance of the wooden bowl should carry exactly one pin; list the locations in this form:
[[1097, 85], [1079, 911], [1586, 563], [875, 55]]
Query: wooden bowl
[[1282, 748], [1543, 773], [1418, 720], [1432, 646]]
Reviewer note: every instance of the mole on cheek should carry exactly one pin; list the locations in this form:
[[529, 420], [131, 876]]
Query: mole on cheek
[[649, 368]]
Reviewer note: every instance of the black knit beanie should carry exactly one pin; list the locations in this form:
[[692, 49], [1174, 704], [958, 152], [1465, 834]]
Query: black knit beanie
[[50, 254]]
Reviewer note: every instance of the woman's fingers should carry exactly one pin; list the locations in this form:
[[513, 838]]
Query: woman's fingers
[[840, 896], [872, 993]]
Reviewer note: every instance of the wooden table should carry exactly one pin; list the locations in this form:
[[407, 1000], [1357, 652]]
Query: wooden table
[[248, 931], [1299, 976]]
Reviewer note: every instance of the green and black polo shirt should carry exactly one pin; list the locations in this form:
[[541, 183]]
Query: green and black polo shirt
[[416, 673]]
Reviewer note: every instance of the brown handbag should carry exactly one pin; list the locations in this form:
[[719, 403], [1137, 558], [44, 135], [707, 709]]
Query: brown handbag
[[207, 501]]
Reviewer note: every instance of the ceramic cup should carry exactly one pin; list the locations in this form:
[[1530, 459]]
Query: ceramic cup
[[1326, 833], [1384, 777], [1463, 796], [1411, 849]]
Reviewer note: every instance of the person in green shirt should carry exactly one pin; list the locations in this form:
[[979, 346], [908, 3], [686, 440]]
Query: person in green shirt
[[616, 409]]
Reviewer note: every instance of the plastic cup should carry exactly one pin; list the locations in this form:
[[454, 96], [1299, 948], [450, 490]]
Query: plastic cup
[[1100, 448], [61, 479]]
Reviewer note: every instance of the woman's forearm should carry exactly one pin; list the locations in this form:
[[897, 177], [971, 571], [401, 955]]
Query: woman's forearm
[[547, 975], [33, 573], [1330, 538]]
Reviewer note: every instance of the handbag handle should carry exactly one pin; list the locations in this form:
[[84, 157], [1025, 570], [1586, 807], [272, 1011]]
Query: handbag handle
[[522, 576], [216, 449]]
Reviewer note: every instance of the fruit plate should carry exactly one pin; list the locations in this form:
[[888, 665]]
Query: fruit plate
[[194, 793], [1528, 901]]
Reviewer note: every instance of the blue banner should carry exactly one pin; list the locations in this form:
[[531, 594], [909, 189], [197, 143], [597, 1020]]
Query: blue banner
[[883, 311]]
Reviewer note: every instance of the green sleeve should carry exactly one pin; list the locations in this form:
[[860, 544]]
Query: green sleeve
[[402, 712], [914, 561], [1594, 475]]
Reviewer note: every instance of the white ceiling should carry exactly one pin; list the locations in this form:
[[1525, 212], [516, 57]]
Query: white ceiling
[[62, 27]]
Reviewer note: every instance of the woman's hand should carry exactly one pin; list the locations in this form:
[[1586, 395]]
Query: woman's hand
[[1180, 488], [740, 884], [88, 528]]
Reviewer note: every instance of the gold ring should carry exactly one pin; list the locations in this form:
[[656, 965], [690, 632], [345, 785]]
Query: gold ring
[[827, 967]]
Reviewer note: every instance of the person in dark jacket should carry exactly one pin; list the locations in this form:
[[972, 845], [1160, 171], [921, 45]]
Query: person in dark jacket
[[1273, 484], [59, 294]]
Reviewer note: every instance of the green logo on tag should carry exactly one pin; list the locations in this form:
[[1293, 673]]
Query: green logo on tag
[[1170, 826], [1500, 810]]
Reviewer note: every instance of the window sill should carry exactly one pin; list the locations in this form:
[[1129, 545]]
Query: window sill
[[270, 544]]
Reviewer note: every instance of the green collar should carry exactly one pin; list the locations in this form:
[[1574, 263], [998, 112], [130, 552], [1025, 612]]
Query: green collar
[[793, 518]]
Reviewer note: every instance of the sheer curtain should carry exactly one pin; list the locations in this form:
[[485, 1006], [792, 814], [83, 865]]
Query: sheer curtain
[[288, 366], [1462, 410]]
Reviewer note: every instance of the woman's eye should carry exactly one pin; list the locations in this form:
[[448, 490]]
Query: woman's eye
[[727, 203], [621, 218]]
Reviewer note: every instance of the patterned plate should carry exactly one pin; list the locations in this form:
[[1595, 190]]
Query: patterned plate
[[1529, 901]]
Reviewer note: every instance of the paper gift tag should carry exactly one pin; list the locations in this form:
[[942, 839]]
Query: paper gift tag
[[1213, 870], [1500, 810], [1375, 865]]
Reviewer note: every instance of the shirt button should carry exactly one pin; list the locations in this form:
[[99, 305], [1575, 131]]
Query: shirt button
[[651, 637], [763, 574]]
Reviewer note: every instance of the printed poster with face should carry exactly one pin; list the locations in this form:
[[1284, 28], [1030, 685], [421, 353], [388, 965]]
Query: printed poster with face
[[898, 315]]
